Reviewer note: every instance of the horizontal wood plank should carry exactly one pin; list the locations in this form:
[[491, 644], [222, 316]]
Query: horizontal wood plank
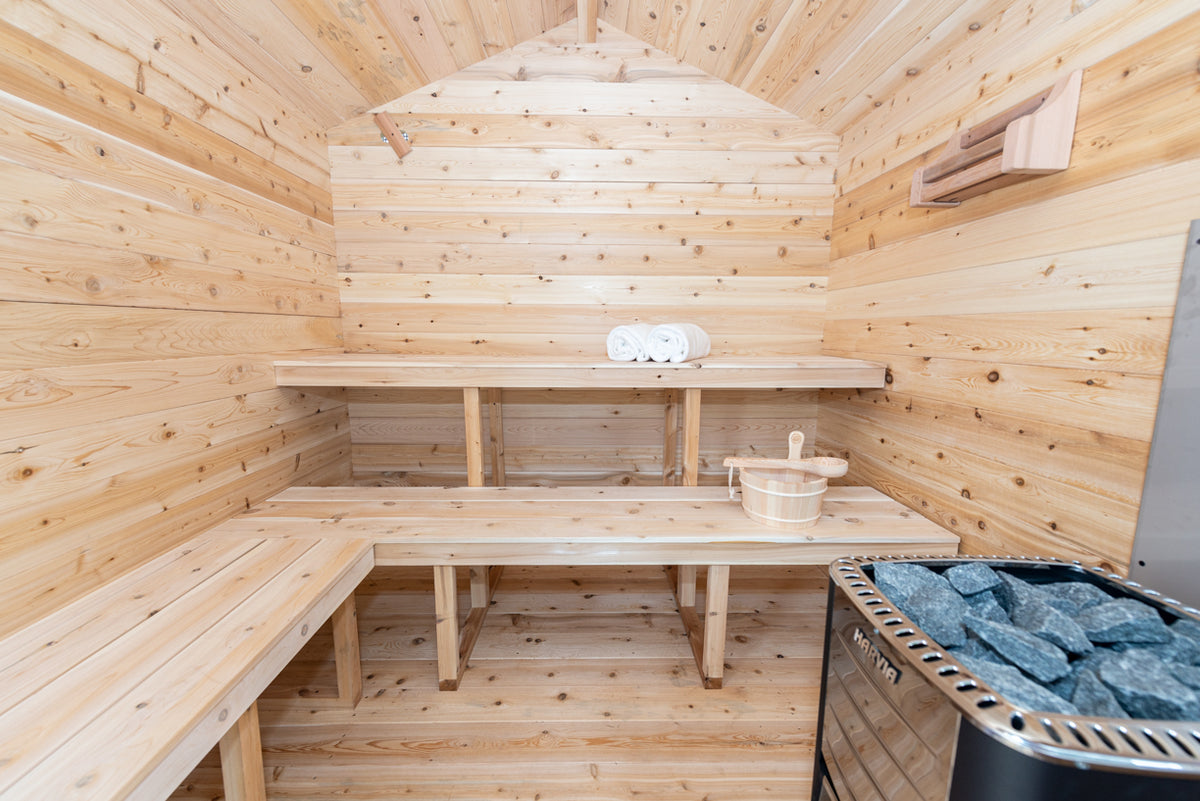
[[63, 84], [379, 164], [608, 197], [39, 400], [73, 211], [520, 130], [667, 98], [619, 290], [55, 143], [53, 271], [39, 335], [742, 258]]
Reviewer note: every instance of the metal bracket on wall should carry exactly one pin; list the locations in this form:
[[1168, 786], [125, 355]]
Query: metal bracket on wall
[[392, 134]]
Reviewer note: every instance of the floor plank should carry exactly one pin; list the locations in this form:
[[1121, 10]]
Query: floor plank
[[581, 687]]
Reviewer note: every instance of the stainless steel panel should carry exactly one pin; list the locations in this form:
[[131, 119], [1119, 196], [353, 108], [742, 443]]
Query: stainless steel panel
[[890, 732], [1166, 549]]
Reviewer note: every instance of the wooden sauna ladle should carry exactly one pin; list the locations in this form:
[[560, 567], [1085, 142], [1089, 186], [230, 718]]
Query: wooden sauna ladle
[[823, 466]]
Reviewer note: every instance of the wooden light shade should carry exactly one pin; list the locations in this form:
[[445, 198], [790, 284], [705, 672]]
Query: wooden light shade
[[1031, 138]]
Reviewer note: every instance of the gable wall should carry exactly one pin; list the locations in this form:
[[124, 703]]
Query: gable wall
[[555, 192]]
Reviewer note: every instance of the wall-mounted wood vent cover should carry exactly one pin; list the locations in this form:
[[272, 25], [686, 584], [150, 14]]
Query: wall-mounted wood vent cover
[[1030, 139]]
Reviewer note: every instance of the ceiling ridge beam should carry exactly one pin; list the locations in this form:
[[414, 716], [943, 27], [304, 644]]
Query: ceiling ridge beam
[[586, 13]]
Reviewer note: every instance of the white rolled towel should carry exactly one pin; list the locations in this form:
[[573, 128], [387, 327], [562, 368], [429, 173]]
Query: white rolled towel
[[627, 343], [678, 342]]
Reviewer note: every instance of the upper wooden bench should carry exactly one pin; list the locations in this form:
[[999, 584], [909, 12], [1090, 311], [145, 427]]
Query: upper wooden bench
[[119, 694], [475, 375]]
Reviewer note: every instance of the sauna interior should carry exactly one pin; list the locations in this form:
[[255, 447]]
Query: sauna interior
[[195, 191]]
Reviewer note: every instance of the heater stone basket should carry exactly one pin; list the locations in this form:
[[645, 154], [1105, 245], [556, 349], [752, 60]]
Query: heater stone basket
[[784, 493]]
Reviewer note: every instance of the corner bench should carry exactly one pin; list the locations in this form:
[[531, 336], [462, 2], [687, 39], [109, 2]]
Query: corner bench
[[120, 693], [684, 526]]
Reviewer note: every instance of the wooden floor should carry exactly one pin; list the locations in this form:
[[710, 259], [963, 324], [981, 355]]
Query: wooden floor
[[582, 687]]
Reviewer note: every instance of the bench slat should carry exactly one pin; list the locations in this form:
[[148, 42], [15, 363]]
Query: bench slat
[[295, 496], [538, 526], [74, 699], [206, 728], [475, 513], [38, 654], [819, 553]]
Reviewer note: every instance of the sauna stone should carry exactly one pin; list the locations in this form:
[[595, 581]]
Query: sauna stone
[[986, 606], [972, 578], [1180, 649], [1012, 593], [1048, 623], [899, 580], [1065, 687], [1016, 688], [1187, 674], [1146, 687], [1040, 659], [1092, 698], [1079, 595], [975, 648], [939, 612], [1187, 628], [1123, 620]]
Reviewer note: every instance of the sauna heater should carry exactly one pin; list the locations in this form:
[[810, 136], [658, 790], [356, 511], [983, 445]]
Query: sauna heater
[[902, 720]]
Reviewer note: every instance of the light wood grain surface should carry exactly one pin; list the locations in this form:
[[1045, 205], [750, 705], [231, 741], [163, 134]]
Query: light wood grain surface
[[161, 663], [616, 526], [167, 231]]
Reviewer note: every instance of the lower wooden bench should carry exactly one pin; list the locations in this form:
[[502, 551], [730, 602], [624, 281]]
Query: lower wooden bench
[[121, 693], [498, 526]]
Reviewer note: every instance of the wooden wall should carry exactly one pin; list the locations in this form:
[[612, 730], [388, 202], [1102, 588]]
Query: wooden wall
[[165, 228], [1025, 330], [555, 191]]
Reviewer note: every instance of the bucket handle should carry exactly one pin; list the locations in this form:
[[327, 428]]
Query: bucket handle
[[733, 491]]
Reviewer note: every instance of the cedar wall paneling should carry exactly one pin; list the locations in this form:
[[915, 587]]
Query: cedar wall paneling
[[165, 228], [1025, 330], [555, 191]]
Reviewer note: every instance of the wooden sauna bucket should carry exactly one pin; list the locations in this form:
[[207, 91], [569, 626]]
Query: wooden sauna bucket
[[784, 493]]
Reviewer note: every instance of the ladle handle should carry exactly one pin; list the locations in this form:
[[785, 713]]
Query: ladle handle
[[795, 445]]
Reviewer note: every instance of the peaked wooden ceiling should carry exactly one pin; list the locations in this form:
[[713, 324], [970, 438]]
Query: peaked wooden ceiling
[[828, 61]]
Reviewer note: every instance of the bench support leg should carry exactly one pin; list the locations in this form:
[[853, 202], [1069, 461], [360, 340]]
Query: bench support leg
[[496, 435], [346, 653], [454, 648], [685, 586], [716, 610], [445, 604], [670, 471], [241, 759], [473, 415], [691, 437], [706, 635]]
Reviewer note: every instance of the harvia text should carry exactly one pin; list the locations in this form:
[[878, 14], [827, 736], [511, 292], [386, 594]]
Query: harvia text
[[875, 657]]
